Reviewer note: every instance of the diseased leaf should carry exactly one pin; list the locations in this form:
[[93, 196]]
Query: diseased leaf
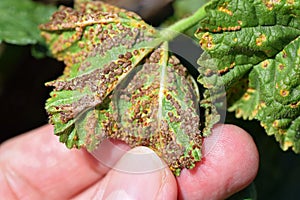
[[99, 44], [118, 84], [277, 83], [251, 49], [19, 20], [161, 111]]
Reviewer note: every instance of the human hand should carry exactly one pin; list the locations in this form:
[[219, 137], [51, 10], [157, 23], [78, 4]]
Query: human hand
[[36, 166]]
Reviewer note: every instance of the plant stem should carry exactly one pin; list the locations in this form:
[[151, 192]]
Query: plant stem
[[175, 29]]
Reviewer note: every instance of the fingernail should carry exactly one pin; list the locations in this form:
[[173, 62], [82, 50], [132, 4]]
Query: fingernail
[[139, 174], [211, 141]]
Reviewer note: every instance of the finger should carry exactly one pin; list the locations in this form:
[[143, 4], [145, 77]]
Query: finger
[[230, 163], [36, 165], [139, 174]]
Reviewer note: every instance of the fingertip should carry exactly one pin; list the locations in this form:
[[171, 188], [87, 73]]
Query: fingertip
[[229, 164], [140, 174]]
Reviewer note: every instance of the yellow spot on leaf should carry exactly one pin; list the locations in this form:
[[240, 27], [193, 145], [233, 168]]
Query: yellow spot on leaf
[[250, 90], [246, 96], [290, 2], [286, 145], [271, 3], [281, 132], [254, 112], [280, 67], [239, 113], [225, 10], [232, 65], [284, 93], [275, 123], [295, 105], [206, 41], [265, 64], [261, 39], [265, 126]]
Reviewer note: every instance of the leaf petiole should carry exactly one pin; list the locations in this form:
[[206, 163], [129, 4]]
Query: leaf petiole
[[175, 29]]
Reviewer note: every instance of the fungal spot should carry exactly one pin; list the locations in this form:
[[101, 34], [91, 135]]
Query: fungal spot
[[239, 112], [265, 64], [284, 54], [275, 124], [223, 71], [281, 67], [225, 9], [284, 93], [295, 105], [271, 3], [206, 41], [246, 96], [261, 39]]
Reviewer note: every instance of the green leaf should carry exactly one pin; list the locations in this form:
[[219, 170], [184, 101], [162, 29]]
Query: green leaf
[[252, 49], [19, 20], [277, 82]]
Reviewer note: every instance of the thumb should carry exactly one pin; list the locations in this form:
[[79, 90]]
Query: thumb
[[140, 174]]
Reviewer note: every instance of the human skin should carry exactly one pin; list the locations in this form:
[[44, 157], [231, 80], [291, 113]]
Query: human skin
[[35, 165]]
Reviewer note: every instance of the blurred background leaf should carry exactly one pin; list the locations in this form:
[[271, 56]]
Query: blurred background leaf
[[19, 20]]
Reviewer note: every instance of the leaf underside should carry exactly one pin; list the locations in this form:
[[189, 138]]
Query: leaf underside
[[252, 49], [118, 83]]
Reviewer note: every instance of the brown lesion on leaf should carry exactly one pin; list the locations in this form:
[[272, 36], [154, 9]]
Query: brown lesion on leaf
[[265, 64], [281, 67], [239, 113], [229, 28], [246, 97], [226, 69], [275, 124], [223, 71], [295, 105], [284, 54], [261, 39], [261, 105], [284, 93], [282, 131]]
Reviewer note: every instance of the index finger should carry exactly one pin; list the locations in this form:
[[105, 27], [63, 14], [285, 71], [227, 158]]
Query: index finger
[[229, 166]]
